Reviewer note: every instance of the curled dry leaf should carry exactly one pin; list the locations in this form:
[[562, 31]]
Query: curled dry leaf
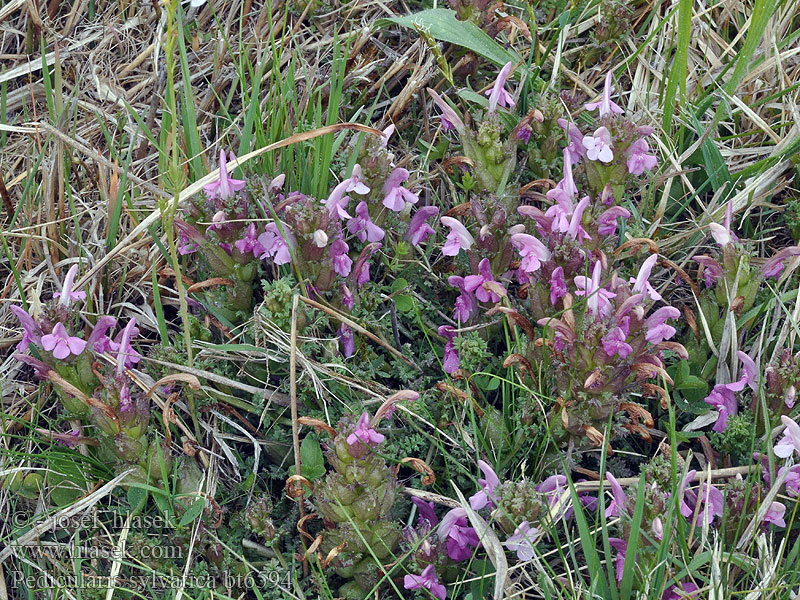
[[420, 466], [193, 382], [208, 283], [293, 490], [318, 425]]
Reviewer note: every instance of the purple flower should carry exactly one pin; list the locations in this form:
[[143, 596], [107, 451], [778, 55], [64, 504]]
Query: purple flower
[[61, 344], [522, 541], [792, 481], [621, 546], [418, 228], [639, 160], [722, 398], [450, 119], [451, 362], [614, 343], [553, 487], [360, 273], [566, 188], [774, 266], [558, 285], [749, 371], [598, 146], [342, 263], [274, 245], [607, 222], [362, 226], [225, 186], [790, 396], [354, 183], [657, 329], [363, 275], [532, 251], [426, 512], [66, 294], [427, 580], [458, 238], [395, 195], [186, 245], [617, 505], [348, 301], [597, 298], [486, 496], [575, 229], [29, 328], [712, 270], [575, 146], [680, 591], [788, 444], [337, 201], [723, 234], [606, 105], [498, 96], [775, 514], [461, 538], [98, 340], [641, 283], [386, 134], [249, 243], [346, 339], [524, 133], [364, 433], [127, 357], [475, 283], [712, 503], [466, 305]]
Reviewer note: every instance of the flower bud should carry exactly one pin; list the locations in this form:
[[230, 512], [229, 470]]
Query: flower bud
[[320, 238]]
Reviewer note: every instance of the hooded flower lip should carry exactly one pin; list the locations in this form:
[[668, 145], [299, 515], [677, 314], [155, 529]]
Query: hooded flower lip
[[598, 146], [657, 329], [532, 251], [274, 245], [712, 270], [61, 344], [426, 511], [722, 398], [395, 195], [29, 328], [775, 514], [342, 263], [575, 145], [466, 305], [565, 188], [790, 442], [364, 433], [621, 546], [427, 580], [450, 362], [225, 186], [617, 505], [522, 541], [67, 294], [354, 183], [607, 222], [126, 355], [450, 119], [614, 343], [775, 265], [337, 201], [458, 239], [486, 496], [641, 283], [597, 298], [418, 228], [606, 105], [575, 229], [98, 340], [723, 234], [362, 226], [475, 283], [558, 285], [461, 538], [498, 96], [639, 160], [347, 340]]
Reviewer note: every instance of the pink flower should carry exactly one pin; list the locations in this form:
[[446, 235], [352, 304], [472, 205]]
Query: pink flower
[[657, 329], [450, 362], [386, 134], [575, 229], [614, 343], [792, 481], [249, 243], [597, 298], [641, 283], [362, 226], [775, 514], [685, 509], [575, 146], [498, 96], [346, 339], [680, 591], [225, 186], [475, 283], [450, 119], [775, 265], [461, 538], [558, 285], [524, 133], [788, 444], [607, 222], [522, 541], [532, 251], [66, 294], [98, 340], [638, 159], [274, 245], [418, 228], [61, 344], [486, 496], [458, 239], [712, 503], [427, 580], [29, 328], [466, 305], [566, 188], [749, 371], [606, 105], [617, 505], [395, 195], [186, 245], [598, 146], [342, 263], [348, 301], [621, 546], [337, 201], [722, 398], [126, 356], [364, 433], [426, 512], [712, 270], [723, 234], [354, 183]]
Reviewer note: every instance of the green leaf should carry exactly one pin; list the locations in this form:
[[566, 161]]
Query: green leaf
[[404, 303], [442, 24], [398, 285], [194, 511], [311, 459], [137, 496]]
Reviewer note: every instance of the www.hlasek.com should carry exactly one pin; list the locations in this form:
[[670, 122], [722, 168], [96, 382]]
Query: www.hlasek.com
[[151, 581]]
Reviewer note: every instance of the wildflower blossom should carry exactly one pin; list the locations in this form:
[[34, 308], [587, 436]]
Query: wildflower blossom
[[450, 362], [680, 591], [614, 343], [575, 229], [362, 226], [475, 283], [775, 514], [61, 344], [712, 270], [66, 294], [274, 245], [426, 512], [532, 251], [418, 228], [395, 195], [621, 546], [639, 160], [249, 243], [450, 119], [337, 202], [486, 496], [575, 146], [617, 505], [606, 106], [320, 238], [790, 442], [354, 183], [458, 239], [98, 340], [722, 398], [498, 96], [186, 245], [364, 433], [607, 222], [641, 283], [427, 580], [522, 541], [775, 265], [461, 538], [29, 328], [127, 357], [723, 234], [657, 328], [347, 340], [598, 146], [558, 285], [657, 528], [342, 263], [466, 305], [597, 298], [225, 186]]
